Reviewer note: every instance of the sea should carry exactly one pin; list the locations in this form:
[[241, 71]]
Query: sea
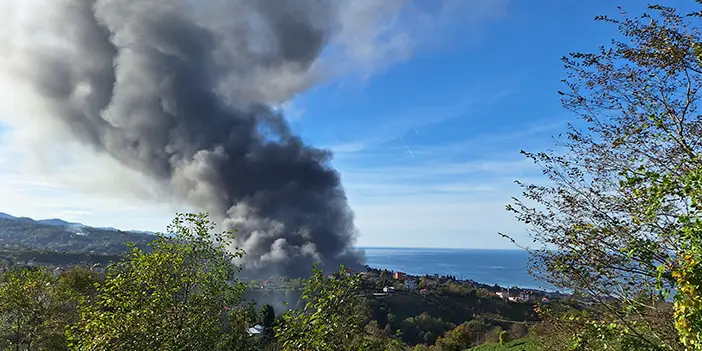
[[505, 268]]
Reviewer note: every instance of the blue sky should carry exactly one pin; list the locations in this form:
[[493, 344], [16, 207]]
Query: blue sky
[[428, 147]]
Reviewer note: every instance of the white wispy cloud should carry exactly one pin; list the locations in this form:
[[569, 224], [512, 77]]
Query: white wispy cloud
[[452, 214], [461, 200], [485, 145], [426, 222], [375, 34], [53, 201], [57, 185], [456, 190]]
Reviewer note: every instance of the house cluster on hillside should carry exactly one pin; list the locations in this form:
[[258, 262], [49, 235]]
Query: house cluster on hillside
[[518, 296], [401, 281]]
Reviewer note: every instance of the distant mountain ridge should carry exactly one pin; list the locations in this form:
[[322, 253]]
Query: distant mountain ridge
[[61, 222], [56, 234]]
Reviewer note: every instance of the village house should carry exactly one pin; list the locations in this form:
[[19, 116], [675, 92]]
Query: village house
[[523, 296], [255, 330]]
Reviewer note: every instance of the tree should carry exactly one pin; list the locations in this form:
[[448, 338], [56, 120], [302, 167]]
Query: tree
[[384, 277], [182, 295], [518, 331], [619, 223], [504, 337], [268, 320], [28, 307], [333, 317], [424, 328], [268, 316], [78, 283], [457, 339], [36, 307]]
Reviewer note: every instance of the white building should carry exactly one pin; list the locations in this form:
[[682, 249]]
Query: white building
[[255, 330], [524, 296], [503, 295]]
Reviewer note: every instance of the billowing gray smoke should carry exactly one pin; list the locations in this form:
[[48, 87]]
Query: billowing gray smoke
[[181, 95]]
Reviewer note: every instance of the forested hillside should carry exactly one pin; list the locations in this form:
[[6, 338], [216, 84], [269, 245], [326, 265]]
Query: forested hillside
[[56, 236]]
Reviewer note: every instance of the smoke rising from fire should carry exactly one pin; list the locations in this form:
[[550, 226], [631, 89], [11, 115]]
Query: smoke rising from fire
[[181, 92]]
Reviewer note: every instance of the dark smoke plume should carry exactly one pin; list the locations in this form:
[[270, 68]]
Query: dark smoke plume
[[183, 96]]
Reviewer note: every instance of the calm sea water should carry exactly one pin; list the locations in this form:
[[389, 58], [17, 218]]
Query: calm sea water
[[502, 267]]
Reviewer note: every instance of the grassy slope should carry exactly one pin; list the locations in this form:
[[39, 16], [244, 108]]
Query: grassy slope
[[516, 345]]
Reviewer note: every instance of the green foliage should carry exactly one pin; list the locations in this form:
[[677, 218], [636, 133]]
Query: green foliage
[[424, 329], [421, 347], [686, 270], [424, 318], [268, 315], [385, 278], [79, 283], [619, 224], [182, 293], [504, 337], [28, 234], [333, 317], [457, 339], [25, 308], [46, 257], [516, 345], [179, 296], [36, 307], [518, 331]]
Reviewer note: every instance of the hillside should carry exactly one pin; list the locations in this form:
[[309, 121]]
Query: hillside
[[59, 235], [516, 345], [428, 316]]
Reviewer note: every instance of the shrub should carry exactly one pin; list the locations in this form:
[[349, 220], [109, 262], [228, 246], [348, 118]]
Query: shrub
[[504, 337]]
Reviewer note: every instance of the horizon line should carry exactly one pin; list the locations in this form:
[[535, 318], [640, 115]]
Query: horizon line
[[436, 248]]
